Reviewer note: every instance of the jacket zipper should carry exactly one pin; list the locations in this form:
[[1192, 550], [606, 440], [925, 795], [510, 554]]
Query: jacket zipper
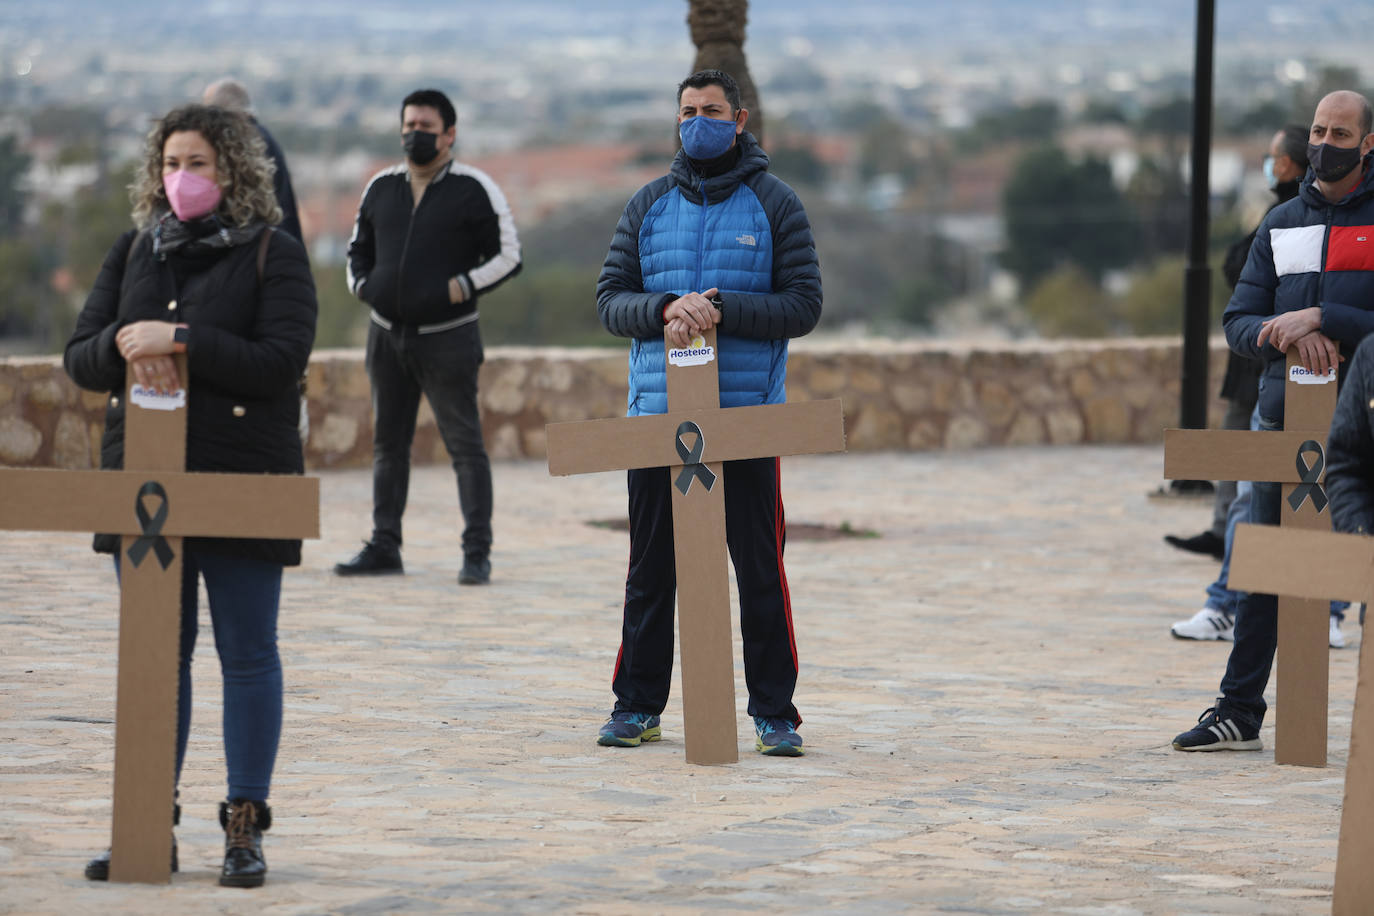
[[410, 227], [701, 238], [400, 271]]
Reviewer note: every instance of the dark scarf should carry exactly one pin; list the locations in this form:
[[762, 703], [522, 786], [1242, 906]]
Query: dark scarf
[[710, 168], [204, 235]]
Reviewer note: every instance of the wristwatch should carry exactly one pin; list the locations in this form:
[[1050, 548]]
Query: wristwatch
[[181, 336], [719, 303]]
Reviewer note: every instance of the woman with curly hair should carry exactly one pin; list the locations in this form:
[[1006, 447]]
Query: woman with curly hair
[[205, 274]]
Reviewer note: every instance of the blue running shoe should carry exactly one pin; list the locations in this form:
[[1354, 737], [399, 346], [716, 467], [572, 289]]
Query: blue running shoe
[[777, 737], [627, 729]]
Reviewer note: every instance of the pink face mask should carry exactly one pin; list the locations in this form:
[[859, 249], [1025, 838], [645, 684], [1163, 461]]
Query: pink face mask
[[190, 195]]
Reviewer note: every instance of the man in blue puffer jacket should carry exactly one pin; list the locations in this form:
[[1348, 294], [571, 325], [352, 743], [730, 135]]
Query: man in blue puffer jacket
[[717, 241], [1309, 284]]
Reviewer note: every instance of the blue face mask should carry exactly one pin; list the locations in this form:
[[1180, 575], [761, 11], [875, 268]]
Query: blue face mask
[[1269, 175], [706, 138]]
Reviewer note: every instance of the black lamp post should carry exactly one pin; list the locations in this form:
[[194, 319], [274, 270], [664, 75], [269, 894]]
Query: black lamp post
[[1197, 275]]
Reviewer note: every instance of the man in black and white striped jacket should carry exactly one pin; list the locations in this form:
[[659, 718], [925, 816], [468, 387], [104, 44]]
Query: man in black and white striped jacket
[[431, 236]]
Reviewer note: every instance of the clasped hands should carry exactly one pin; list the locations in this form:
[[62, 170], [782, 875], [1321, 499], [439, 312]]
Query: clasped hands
[[688, 315], [1301, 329], [147, 347]]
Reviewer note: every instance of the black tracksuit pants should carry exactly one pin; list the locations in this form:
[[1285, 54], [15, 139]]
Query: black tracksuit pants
[[755, 532]]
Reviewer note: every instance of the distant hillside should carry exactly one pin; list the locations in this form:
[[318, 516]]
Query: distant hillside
[[922, 23]]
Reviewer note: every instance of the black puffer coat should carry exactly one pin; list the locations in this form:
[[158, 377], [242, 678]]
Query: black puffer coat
[[249, 344], [1350, 448]]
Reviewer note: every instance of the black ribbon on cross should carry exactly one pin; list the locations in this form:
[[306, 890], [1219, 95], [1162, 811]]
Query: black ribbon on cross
[[151, 537], [692, 459], [1309, 475]]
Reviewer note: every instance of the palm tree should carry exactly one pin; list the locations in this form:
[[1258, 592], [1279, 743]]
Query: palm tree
[[717, 28]]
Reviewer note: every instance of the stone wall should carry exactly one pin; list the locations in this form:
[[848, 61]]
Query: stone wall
[[897, 396]]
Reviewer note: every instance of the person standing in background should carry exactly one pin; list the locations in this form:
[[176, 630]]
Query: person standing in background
[[432, 234], [230, 93], [1284, 167]]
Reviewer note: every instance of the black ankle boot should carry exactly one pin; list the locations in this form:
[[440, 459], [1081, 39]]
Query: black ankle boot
[[244, 822], [98, 869]]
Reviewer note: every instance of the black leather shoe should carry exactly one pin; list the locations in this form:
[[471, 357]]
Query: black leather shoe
[[243, 822], [475, 572], [98, 869], [372, 561], [1207, 543]]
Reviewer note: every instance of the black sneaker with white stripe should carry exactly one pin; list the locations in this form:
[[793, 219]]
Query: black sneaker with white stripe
[[1219, 729]]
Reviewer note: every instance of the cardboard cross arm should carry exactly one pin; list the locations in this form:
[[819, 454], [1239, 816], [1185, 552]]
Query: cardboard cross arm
[[621, 443], [1234, 454], [207, 505], [1317, 565]]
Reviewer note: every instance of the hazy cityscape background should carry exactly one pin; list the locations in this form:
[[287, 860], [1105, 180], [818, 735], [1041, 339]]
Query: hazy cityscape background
[[987, 169]]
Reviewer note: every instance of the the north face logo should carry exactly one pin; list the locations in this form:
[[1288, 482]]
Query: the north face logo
[[746, 240]]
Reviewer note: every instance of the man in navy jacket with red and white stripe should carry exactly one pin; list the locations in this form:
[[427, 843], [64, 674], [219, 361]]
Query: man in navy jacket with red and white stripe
[[1308, 284]]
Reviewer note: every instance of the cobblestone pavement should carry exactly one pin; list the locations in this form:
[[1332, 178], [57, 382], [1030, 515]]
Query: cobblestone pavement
[[989, 689]]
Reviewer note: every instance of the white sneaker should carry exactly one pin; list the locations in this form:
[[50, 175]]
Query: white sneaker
[[1337, 638], [1208, 623]]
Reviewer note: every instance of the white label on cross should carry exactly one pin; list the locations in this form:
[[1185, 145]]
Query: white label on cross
[[157, 400], [1304, 376], [694, 354]]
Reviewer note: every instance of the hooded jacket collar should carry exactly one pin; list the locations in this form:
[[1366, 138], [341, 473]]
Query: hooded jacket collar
[[751, 161]]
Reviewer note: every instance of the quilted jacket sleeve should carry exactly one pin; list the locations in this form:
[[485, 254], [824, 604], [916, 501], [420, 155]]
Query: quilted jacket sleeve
[[625, 309], [1346, 324], [91, 358], [1253, 299], [1350, 448]]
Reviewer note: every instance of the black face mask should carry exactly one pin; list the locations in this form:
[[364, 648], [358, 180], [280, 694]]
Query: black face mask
[[421, 146], [1332, 163]]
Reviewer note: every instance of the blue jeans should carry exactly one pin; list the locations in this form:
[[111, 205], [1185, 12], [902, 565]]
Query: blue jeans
[[1219, 597], [443, 367], [244, 596], [1239, 415]]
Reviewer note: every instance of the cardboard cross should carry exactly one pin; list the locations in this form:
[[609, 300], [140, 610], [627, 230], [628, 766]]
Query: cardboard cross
[[1322, 565], [1294, 457], [153, 504], [693, 439]]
